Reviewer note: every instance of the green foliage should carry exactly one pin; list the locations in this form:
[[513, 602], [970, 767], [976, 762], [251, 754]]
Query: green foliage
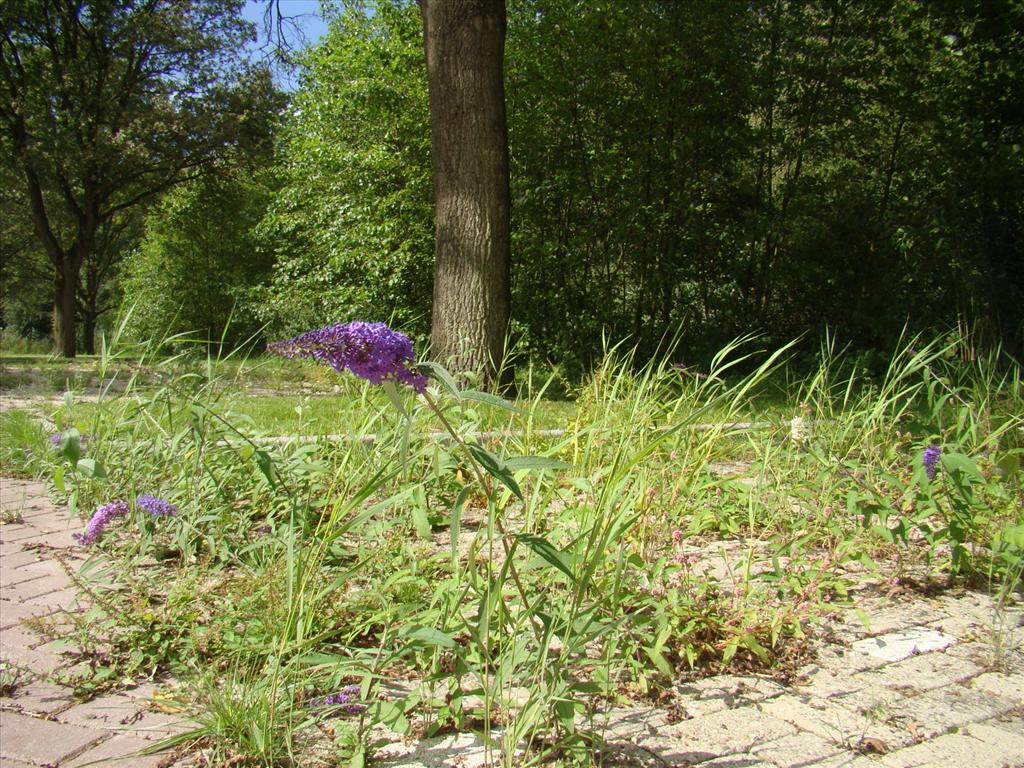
[[522, 578], [23, 443], [352, 227], [199, 260], [109, 105], [705, 169]]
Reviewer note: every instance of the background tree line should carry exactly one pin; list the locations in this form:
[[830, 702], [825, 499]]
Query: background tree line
[[711, 167]]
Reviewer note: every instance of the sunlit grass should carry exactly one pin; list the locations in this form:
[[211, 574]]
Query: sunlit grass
[[557, 554]]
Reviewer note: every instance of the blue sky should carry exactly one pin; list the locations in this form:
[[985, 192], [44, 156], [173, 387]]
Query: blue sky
[[304, 25]]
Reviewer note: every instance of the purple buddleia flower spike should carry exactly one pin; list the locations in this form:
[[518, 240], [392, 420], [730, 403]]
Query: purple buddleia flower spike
[[156, 507], [101, 518], [346, 699], [371, 351], [930, 460]]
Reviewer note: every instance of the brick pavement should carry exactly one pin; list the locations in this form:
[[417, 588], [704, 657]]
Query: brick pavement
[[932, 683], [41, 722]]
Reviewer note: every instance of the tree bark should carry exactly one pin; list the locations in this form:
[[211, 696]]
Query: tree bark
[[464, 42], [65, 331], [89, 334]]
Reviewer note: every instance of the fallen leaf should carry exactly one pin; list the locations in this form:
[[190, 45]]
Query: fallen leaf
[[869, 745]]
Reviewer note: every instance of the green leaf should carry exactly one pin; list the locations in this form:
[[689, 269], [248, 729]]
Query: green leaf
[[440, 375], [430, 636], [197, 415], [266, 466], [759, 650], [660, 662], [536, 462], [420, 514], [730, 650], [1009, 465], [58, 479], [547, 552], [91, 468], [391, 714], [496, 468], [489, 399], [954, 462], [71, 445]]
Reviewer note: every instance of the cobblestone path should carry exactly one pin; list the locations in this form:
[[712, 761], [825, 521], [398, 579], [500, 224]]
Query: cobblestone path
[[934, 682], [41, 722]]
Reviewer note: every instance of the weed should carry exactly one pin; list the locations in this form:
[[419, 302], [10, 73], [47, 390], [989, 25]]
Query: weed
[[510, 567]]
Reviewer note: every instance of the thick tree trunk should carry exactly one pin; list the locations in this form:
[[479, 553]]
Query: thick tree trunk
[[464, 41], [89, 334], [65, 332]]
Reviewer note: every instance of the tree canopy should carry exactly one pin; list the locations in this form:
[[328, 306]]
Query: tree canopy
[[108, 103], [700, 169]]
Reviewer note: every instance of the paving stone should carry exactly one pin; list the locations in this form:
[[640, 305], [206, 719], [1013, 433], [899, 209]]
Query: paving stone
[[820, 683], [963, 626], [953, 750], [974, 607], [14, 488], [896, 646], [10, 551], [16, 558], [40, 698], [834, 723], [736, 761], [118, 751], [59, 539], [65, 599], [43, 567], [32, 562], [44, 586], [714, 694], [12, 613], [975, 651], [155, 726], [729, 732], [11, 577], [842, 760], [919, 673], [846, 661], [940, 711], [38, 660], [108, 712], [38, 512], [896, 618], [14, 532], [631, 722], [1009, 735], [464, 750], [126, 712], [1006, 686], [798, 749], [40, 741], [19, 636]]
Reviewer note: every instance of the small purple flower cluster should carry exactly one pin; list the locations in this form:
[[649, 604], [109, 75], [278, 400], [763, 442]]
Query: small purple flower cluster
[[100, 519], [371, 351], [56, 438], [156, 507], [931, 459], [346, 699], [104, 515]]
